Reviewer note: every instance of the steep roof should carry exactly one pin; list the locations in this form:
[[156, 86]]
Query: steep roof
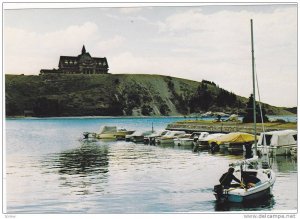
[[66, 59], [73, 58]]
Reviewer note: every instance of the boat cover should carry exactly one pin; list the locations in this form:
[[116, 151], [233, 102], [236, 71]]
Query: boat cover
[[279, 138], [234, 137]]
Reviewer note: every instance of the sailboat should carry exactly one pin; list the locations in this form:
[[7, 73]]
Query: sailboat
[[256, 176]]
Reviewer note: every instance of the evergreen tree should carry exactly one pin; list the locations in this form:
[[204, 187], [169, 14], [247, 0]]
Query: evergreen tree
[[249, 112], [201, 100]]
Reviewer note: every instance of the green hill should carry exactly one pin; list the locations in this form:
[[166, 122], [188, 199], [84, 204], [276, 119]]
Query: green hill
[[118, 95]]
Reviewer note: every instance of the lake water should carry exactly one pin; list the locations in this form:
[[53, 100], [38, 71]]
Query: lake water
[[48, 170]]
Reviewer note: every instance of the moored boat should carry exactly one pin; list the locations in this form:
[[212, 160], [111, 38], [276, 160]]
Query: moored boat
[[121, 133], [187, 141], [234, 140], [169, 137], [151, 139], [202, 136], [203, 142], [277, 142], [113, 133], [138, 136]]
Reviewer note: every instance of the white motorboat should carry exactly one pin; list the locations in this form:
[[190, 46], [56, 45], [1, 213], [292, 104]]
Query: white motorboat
[[203, 142], [202, 136], [246, 170], [138, 136], [187, 141], [169, 137], [151, 139], [277, 142]]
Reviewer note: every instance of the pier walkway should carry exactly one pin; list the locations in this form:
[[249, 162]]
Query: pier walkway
[[227, 127]]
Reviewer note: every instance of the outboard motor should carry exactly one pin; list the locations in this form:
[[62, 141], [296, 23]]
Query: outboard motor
[[85, 135], [218, 189], [152, 141], [195, 148], [214, 147]]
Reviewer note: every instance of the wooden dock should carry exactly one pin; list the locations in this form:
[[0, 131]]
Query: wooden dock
[[227, 127]]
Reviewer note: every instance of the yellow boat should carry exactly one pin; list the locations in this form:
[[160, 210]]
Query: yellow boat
[[111, 132]]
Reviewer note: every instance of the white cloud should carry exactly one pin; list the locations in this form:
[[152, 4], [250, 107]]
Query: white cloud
[[130, 10], [221, 41], [109, 44], [21, 46], [43, 50], [190, 43]]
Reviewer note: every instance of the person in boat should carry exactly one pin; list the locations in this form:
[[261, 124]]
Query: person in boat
[[227, 178]]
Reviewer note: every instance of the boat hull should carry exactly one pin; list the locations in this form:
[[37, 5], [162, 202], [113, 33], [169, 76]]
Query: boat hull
[[115, 135], [107, 136], [137, 139], [179, 142], [120, 135], [254, 196], [277, 150], [243, 196], [165, 141]]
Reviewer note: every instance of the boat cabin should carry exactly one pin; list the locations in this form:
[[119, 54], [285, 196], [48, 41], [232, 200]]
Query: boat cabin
[[278, 138]]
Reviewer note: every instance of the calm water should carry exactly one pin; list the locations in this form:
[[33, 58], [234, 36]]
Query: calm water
[[48, 170]]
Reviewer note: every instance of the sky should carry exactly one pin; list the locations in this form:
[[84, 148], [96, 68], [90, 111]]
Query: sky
[[195, 41]]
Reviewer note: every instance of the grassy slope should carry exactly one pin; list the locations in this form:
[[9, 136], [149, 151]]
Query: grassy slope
[[111, 94]]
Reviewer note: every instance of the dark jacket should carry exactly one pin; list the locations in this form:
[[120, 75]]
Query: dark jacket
[[226, 179]]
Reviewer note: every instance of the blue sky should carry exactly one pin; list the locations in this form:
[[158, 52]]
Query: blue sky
[[210, 42]]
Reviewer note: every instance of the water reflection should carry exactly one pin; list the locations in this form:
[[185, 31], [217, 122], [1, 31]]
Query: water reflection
[[172, 145], [88, 159], [284, 164], [82, 170], [259, 204]]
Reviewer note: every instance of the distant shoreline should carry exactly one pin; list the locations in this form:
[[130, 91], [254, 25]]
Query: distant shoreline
[[126, 117], [92, 117]]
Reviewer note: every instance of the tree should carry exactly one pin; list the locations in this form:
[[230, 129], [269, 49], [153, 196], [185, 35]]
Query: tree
[[225, 98], [164, 109], [249, 117], [146, 110], [201, 100], [44, 106]]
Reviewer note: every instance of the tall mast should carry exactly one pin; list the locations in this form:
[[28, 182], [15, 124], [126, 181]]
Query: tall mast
[[253, 80]]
